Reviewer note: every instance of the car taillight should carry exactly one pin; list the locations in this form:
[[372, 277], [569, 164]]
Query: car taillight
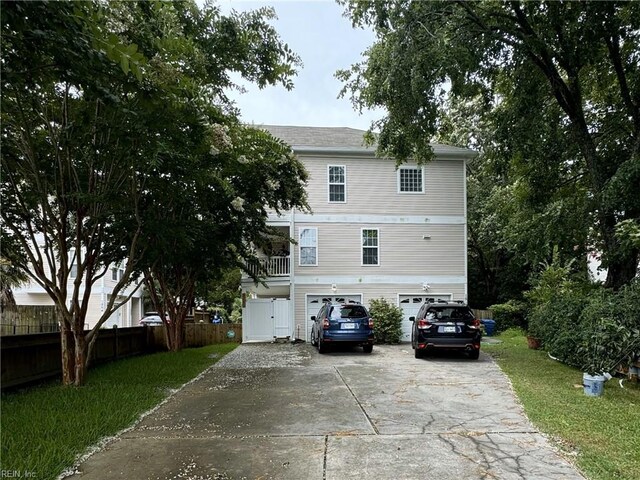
[[325, 324], [370, 322], [475, 325], [424, 324]]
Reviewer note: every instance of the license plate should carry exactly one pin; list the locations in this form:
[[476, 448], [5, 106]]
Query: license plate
[[449, 329], [348, 326]]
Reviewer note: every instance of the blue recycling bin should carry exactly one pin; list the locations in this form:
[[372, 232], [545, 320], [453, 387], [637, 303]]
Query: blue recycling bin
[[489, 325]]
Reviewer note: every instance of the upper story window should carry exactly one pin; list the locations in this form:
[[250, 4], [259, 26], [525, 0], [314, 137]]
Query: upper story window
[[370, 246], [117, 272], [337, 177], [410, 180], [73, 267], [308, 243]]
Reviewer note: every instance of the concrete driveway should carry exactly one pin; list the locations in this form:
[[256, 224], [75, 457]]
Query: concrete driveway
[[284, 411]]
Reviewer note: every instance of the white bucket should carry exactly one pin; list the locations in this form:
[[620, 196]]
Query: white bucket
[[593, 385]]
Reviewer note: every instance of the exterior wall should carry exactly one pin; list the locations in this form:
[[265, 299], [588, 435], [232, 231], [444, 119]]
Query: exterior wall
[[372, 187], [402, 250], [130, 313], [369, 291], [421, 236]]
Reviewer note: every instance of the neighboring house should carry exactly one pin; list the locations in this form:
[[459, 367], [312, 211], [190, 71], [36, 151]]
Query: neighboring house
[[128, 315], [375, 231]]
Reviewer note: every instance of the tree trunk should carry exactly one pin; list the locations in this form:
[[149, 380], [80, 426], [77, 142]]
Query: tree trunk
[[74, 355], [621, 269], [67, 344], [81, 358]]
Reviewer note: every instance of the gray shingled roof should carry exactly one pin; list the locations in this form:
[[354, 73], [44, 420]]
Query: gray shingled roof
[[342, 140]]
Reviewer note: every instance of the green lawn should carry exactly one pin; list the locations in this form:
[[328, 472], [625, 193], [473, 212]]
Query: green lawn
[[45, 428], [605, 431]]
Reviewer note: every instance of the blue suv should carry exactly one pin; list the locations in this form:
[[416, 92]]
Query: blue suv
[[344, 323]]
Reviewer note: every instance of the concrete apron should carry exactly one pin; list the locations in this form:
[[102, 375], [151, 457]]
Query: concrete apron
[[337, 416]]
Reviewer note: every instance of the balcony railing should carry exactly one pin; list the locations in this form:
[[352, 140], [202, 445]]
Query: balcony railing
[[274, 266]]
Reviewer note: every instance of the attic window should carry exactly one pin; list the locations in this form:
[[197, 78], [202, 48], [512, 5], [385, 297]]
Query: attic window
[[410, 180]]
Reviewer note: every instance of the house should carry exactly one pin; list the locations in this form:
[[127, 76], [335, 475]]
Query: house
[[375, 231], [128, 315]]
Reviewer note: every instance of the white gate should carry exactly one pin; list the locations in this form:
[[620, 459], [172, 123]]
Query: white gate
[[266, 319], [282, 327]]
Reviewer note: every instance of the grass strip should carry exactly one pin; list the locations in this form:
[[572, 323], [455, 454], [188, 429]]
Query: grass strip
[[45, 428], [604, 431]]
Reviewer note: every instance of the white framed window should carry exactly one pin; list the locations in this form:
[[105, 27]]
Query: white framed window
[[370, 246], [410, 180], [73, 264], [308, 246], [337, 183], [114, 274]]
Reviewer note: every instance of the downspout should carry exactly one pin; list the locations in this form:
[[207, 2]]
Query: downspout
[[466, 246], [292, 283]]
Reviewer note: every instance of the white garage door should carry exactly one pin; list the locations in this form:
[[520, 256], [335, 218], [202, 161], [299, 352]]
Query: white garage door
[[315, 302], [410, 304]]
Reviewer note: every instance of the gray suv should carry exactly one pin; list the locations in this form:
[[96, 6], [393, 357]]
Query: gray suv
[[445, 325]]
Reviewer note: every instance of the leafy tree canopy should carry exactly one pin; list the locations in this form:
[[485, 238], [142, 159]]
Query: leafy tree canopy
[[558, 81], [113, 114]]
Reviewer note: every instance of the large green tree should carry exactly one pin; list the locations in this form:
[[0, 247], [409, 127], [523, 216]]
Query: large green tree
[[218, 215], [562, 79], [99, 101]]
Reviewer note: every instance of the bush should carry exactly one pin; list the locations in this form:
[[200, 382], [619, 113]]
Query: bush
[[509, 315], [591, 328], [387, 320], [611, 330]]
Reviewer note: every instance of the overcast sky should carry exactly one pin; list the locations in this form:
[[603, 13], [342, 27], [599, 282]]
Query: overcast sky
[[326, 42]]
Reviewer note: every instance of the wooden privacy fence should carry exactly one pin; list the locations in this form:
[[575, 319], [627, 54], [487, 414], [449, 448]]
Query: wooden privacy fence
[[22, 319], [483, 314], [28, 358], [201, 334]]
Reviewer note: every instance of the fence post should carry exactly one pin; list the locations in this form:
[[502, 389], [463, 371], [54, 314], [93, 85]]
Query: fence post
[[115, 342]]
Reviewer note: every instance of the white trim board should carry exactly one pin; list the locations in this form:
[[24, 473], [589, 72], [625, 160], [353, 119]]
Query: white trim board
[[377, 219], [378, 279]]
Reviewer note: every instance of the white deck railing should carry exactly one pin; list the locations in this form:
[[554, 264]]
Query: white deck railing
[[274, 266]]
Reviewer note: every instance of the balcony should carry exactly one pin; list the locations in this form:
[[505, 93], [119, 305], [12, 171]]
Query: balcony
[[273, 266]]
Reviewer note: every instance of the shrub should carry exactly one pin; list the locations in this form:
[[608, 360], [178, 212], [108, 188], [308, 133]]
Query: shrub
[[511, 314], [591, 328], [387, 320], [610, 330]]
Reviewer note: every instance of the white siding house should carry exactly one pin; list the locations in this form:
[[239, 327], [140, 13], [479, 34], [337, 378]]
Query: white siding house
[[128, 315], [374, 232]]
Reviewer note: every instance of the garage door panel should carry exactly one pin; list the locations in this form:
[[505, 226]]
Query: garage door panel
[[410, 305], [315, 302]]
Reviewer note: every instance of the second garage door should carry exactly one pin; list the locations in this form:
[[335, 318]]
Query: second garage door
[[410, 304]]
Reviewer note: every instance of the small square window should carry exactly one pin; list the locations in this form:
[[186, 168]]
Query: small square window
[[410, 180]]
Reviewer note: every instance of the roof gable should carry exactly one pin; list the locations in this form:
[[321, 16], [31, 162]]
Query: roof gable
[[343, 140]]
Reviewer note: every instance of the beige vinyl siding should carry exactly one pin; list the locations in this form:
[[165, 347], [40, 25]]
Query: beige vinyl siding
[[369, 292], [28, 298], [372, 187], [402, 250]]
